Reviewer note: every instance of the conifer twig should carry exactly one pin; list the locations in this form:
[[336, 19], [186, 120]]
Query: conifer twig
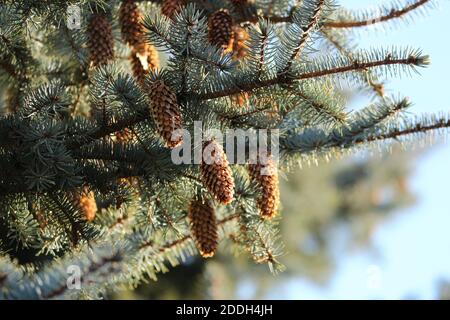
[[419, 128], [305, 35], [394, 14], [355, 66], [377, 87]]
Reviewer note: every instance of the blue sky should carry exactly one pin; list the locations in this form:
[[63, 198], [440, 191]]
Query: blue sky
[[414, 248]]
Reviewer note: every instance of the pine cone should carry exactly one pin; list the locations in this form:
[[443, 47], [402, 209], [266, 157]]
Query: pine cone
[[87, 204], [170, 7], [101, 42], [241, 99], [266, 179], [166, 112], [240, 36], [130, 18], [203, 227], [152, 57], [220, 28], [216, 173], [124, 135], [143, 60]]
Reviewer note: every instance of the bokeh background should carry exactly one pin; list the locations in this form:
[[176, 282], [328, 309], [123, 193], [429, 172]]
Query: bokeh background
[[365, 227], [410, 254]]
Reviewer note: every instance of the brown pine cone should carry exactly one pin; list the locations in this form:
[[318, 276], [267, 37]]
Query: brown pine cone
[[152, 57], [220, 28], [216, 172], [130, 18], [170, 7], [101, 41], [166, 112], [203, 226], [124, 135], [143, 61], [266, 179], [241, 99], [240, 36], [87, 204]]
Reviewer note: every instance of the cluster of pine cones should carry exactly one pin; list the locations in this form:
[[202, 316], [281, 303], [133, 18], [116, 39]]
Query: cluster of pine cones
[[216, 175]]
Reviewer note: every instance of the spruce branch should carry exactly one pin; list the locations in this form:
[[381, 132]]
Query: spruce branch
[[84, 130], [306, 32], [360, 126], [393, 13], [412, 60], [339, 43], [413, 128]]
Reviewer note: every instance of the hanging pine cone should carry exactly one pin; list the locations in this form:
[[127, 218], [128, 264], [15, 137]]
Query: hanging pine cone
[[87, 204], [124, 135], [143, 60], [203, 227], [170, 7], [101, 41], [152, 57], [130, 18], [143, 56], [220, 28], [266, 179], [166, 112], [216, 172], [241, 99], [239, 48], [137, 68]]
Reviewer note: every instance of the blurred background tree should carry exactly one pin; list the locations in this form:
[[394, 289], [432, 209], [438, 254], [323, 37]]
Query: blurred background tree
[[328, 208]]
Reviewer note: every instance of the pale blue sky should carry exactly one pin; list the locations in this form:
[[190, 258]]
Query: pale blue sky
[[414, 247]]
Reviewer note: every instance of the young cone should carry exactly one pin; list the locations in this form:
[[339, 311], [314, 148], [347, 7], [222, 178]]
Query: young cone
[[87, 204], [130, 23], [220, 28], [266, 179], [216, 173], [101, 41], [170, 7], [203, 226], [165, 111]]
